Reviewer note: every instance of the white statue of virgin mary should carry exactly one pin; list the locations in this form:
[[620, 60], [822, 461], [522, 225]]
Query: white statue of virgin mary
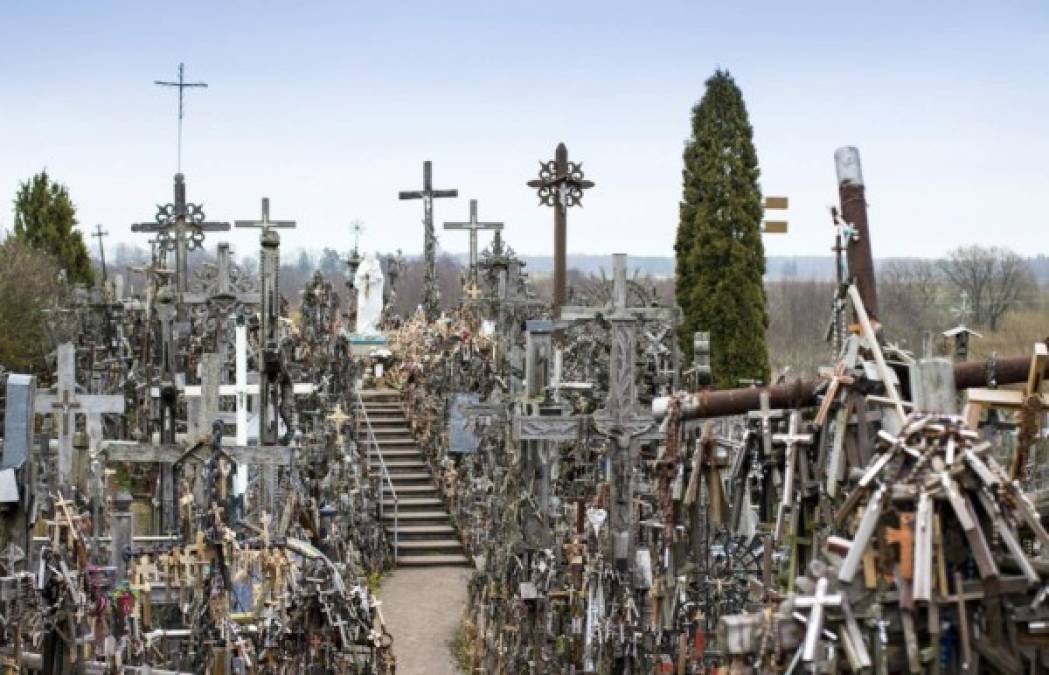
[[369, 284]]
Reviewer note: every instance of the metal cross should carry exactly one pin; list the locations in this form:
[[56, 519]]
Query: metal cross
[[473, 225], [182, 85], [180, 226], [431, 296], [560, 185]]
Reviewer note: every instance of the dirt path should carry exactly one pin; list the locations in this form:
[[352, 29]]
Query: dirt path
[[422, 607]]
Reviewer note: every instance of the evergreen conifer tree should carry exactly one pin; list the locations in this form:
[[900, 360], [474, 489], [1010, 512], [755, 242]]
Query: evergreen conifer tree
[[720, 257], [45, 218]]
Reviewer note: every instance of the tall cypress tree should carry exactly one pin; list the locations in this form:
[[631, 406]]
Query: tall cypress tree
[[720, 256], [45, 219]]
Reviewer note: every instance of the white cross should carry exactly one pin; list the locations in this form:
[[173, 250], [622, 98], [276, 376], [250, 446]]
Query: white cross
[[816, 603]]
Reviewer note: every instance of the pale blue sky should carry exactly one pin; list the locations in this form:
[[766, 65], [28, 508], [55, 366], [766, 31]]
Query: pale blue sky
[[330, 108]]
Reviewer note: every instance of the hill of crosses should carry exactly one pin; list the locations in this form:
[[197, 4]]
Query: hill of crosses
[[212, 474]]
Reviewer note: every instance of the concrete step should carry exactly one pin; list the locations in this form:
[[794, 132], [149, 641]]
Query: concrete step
[[377, 394], [430, 517], [382, 423], [407, 478], [384, 408], [395, 453], [429, 546], [412, 491], [407, 504], [432, 560], [381, 432], [422, 530]]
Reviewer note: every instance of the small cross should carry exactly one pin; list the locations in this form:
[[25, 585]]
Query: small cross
[[837, 378], [264, 222]]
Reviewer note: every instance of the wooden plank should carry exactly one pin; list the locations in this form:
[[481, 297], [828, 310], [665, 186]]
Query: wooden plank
[[777, 202], [774, 227], [123, 451]]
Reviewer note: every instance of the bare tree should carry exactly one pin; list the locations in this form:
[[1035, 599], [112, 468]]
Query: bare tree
[[911, 295], [995, 279]]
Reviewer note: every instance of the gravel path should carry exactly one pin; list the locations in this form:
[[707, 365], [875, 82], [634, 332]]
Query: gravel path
[[422, 607]]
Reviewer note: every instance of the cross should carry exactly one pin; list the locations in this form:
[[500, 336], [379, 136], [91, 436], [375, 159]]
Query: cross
[[560, 185], [182, 86], [99, 233], [766, 415], [791, 439], [428, 194], [473, 225], [264, 222], [180, 226], [65, 403], [836, 378], [357, 227], [816, 604], [338, 419], [903, 536], [1031, 400]]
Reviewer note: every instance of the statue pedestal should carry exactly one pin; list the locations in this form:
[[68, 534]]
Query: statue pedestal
[[367, 345]]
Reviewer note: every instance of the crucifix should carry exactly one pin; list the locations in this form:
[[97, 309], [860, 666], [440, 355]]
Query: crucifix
[[274, 382], [431, 296], [473, 225], [622, 419], [560, 185], [182, 86], [180, 227], [65, 403]]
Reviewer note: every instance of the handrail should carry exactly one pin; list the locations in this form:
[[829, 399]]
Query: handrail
[[386, 478]]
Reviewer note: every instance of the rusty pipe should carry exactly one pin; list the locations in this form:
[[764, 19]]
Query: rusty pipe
[[801, 393], [860, 255]]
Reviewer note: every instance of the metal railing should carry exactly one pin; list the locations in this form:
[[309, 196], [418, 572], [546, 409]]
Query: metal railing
[[386, 482]]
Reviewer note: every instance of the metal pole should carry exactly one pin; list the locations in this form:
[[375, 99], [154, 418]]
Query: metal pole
[[851, 191]]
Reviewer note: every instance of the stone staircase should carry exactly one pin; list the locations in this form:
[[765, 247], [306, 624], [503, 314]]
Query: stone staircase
[[424, 531]]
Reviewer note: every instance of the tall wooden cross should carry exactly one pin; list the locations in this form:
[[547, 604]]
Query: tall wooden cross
[[180, 226], [560, 185], [271, 366], [98, 234], [472, 226], [431, 297], [182, 86]]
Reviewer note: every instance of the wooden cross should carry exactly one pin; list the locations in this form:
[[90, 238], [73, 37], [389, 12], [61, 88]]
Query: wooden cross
[[473, 226], [790, 440], [836, 378], [766, 415], [66, 403], [428, 194], [817, 603], [903, 536]]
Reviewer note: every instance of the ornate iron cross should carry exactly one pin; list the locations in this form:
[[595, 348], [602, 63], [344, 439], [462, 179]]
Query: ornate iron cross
[[560, 185]]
